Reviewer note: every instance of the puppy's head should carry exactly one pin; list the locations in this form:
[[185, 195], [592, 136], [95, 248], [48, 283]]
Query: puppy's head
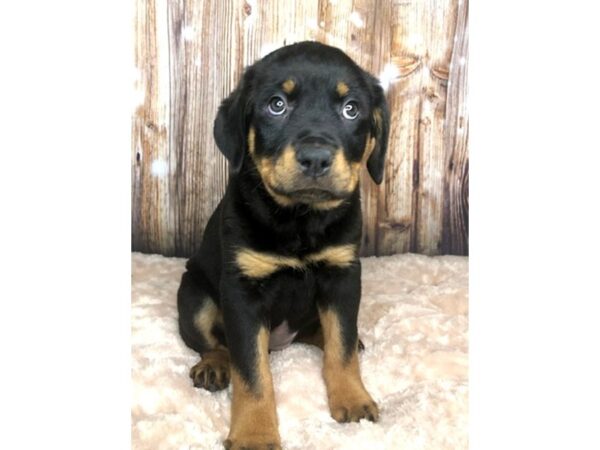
[[307, 117]]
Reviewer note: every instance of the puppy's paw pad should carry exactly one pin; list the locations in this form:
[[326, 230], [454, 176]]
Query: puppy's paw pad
[[210, 375]]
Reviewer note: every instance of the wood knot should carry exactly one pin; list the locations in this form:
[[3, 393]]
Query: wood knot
[[406, 64], [399, 227], [440, 72]]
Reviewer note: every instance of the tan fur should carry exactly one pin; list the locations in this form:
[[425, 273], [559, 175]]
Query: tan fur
[[377, 119], [285, 175], [288, 86], [266, 169], [253, 414], [281, 173], [283, 200], [254, 264], [286, 168], [337, 255], [346, 175], [251, 140], [369, 147], [342, 88], [205, 318], [346, 394], [326, 204], [355, 167]]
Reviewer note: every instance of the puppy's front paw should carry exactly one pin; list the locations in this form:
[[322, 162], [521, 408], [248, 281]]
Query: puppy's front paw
[[348, 409], [253, 443], [211, 374]]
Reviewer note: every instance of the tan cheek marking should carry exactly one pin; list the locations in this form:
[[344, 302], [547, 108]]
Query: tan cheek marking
[[255, 264], [280, 199], [288, 86], [253, 413], [278, 174], [342, 88], [338, 255], [286, 168], [355, 176], [344, 177], [205, 319], [355, 167], [251, 140], [265, 168], [346, 394]]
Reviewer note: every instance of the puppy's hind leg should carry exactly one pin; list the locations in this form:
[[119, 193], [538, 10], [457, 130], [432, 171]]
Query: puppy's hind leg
[[199, 318]]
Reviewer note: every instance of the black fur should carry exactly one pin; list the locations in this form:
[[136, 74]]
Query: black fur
[[249, 217]]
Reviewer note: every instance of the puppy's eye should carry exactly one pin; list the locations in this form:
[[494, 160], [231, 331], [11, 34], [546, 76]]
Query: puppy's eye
[[350, 110], [277, 106]]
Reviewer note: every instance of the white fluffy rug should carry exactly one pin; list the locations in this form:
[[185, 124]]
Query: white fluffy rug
[[413, 322]]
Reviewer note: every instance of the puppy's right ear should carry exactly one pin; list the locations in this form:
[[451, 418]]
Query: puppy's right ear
[[232, 122]]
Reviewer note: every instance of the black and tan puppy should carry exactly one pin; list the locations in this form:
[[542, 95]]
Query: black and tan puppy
[[279, 259]]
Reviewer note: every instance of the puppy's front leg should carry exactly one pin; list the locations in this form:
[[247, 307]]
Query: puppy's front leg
[[253, 414], [348, 399]]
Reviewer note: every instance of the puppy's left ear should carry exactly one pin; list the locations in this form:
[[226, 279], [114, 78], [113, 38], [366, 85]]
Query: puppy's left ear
[[231, 125], [380, 128]]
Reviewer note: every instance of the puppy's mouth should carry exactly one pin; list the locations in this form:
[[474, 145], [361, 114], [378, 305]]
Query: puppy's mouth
[[312, 195]]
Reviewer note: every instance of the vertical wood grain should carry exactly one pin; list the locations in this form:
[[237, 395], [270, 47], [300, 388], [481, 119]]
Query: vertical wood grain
[[190, 56], [456, 134], [421, 51], [151, 217], [270, 24], [397, 220], [205, 65]]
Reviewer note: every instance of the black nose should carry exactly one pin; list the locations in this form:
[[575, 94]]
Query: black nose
[[314, 161]]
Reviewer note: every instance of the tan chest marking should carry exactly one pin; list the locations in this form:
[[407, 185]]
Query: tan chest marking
[[254, 264], [337, 255]]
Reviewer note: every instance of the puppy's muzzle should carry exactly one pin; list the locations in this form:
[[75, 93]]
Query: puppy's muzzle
[[314, 157]]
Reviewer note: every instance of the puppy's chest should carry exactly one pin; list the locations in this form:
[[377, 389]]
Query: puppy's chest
[[258, 264], [290, 299]]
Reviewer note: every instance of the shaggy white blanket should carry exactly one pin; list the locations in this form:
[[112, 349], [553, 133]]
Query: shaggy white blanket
[[413, 322]]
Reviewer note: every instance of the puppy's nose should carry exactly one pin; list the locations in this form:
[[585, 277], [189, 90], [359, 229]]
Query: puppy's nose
[[314, 161]]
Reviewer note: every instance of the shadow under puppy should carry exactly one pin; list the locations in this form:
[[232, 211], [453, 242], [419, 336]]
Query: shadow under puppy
[[279, 258]]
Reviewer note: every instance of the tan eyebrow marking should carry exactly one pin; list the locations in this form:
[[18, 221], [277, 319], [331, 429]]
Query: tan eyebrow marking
[[288, 86], [342, 88]]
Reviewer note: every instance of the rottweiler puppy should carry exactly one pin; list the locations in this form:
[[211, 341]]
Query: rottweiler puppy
[[279, 258]]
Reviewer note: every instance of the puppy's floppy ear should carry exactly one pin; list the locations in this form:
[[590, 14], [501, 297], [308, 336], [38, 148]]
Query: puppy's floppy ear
[[232, 122], [380, 127]]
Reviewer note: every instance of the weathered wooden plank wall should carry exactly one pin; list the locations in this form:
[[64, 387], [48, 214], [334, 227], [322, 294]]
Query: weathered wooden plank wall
[[190, 55]]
